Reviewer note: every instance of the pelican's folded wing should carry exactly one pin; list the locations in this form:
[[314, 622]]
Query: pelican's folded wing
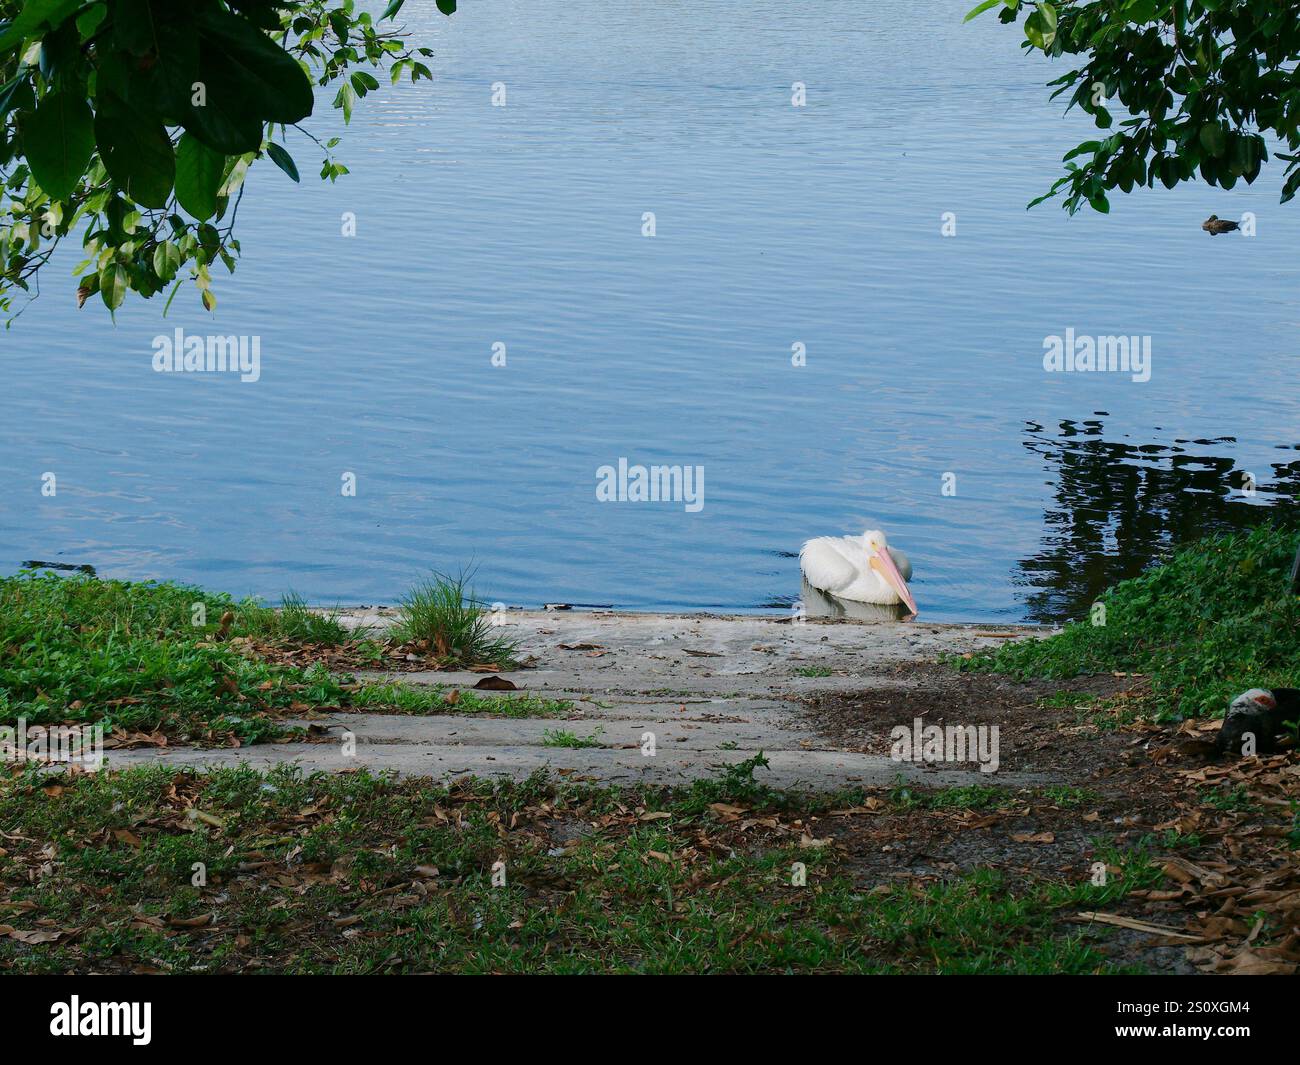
[[823, 563]]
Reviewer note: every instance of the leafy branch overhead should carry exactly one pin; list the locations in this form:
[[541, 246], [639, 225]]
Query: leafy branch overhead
[[1204, 81], [130, 125]]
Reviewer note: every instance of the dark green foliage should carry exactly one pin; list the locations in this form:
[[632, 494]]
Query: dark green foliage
[[1214, 620], [133, 122], [1203, 82]]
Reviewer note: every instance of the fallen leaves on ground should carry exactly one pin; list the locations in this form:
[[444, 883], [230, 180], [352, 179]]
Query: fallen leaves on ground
[[1243, 888]]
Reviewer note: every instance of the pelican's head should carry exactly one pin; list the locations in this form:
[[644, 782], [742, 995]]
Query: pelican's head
[[883, 563], [874, 540]]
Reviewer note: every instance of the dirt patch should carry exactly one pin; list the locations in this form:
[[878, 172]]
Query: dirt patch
[[1026, 843], [1032, 736], [387, 656], [1222, 836]]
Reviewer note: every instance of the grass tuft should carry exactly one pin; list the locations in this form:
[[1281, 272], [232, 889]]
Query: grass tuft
[[563, 738], [294, 622], [441, 615]]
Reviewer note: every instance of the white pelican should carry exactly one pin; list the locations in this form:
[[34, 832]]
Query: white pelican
[[861, 568]]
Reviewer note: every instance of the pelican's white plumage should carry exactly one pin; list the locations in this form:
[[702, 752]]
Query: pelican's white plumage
[[858, 568]]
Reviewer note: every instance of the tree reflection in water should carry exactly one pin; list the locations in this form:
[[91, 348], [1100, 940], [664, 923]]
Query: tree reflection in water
[[1119, 506]]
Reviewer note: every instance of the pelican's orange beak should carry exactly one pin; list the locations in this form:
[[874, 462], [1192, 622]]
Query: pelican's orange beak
[[883, 564]]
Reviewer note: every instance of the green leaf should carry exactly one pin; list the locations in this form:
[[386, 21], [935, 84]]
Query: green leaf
[[248, 77], [166, 260], [88, 21], [345, 98], [175, 289], [282, 159], [363, 81], [392, 9], [134, 26], [167, 43], [1040, 26], [137, 154], [1081, 149], [980, 9], [112, 285], [34, 15], [447, 7], [1214, 139], [17, 94], [59, 140], [263, 13], [1035, 34], [1290, 186], [199, 174]]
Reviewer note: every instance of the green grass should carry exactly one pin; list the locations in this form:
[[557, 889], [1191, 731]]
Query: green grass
[[294, 622], [149, 656], [813, 671], [1069, 797], [76, 649], [966, 797], [352, 873], [419, 699], [982, 797], [1215, 619], [562, 738], [1229, 799], [442, 616]]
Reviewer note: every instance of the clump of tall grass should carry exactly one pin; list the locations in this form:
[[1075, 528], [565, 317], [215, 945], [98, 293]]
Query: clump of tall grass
[[441, 615], [294, 621]]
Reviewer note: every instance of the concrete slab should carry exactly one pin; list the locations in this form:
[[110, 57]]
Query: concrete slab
[[624, 731], [713, 690], [809, 770], [693, 654]]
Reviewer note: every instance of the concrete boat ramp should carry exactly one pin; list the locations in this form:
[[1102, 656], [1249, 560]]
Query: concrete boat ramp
[[710, 690]]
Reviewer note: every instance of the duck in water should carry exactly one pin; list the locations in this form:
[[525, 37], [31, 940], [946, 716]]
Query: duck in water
[[1214, 225]]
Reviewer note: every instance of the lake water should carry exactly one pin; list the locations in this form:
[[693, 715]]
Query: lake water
[[775, 226]]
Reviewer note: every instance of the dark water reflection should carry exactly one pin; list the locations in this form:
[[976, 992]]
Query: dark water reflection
[[1119, 505]]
